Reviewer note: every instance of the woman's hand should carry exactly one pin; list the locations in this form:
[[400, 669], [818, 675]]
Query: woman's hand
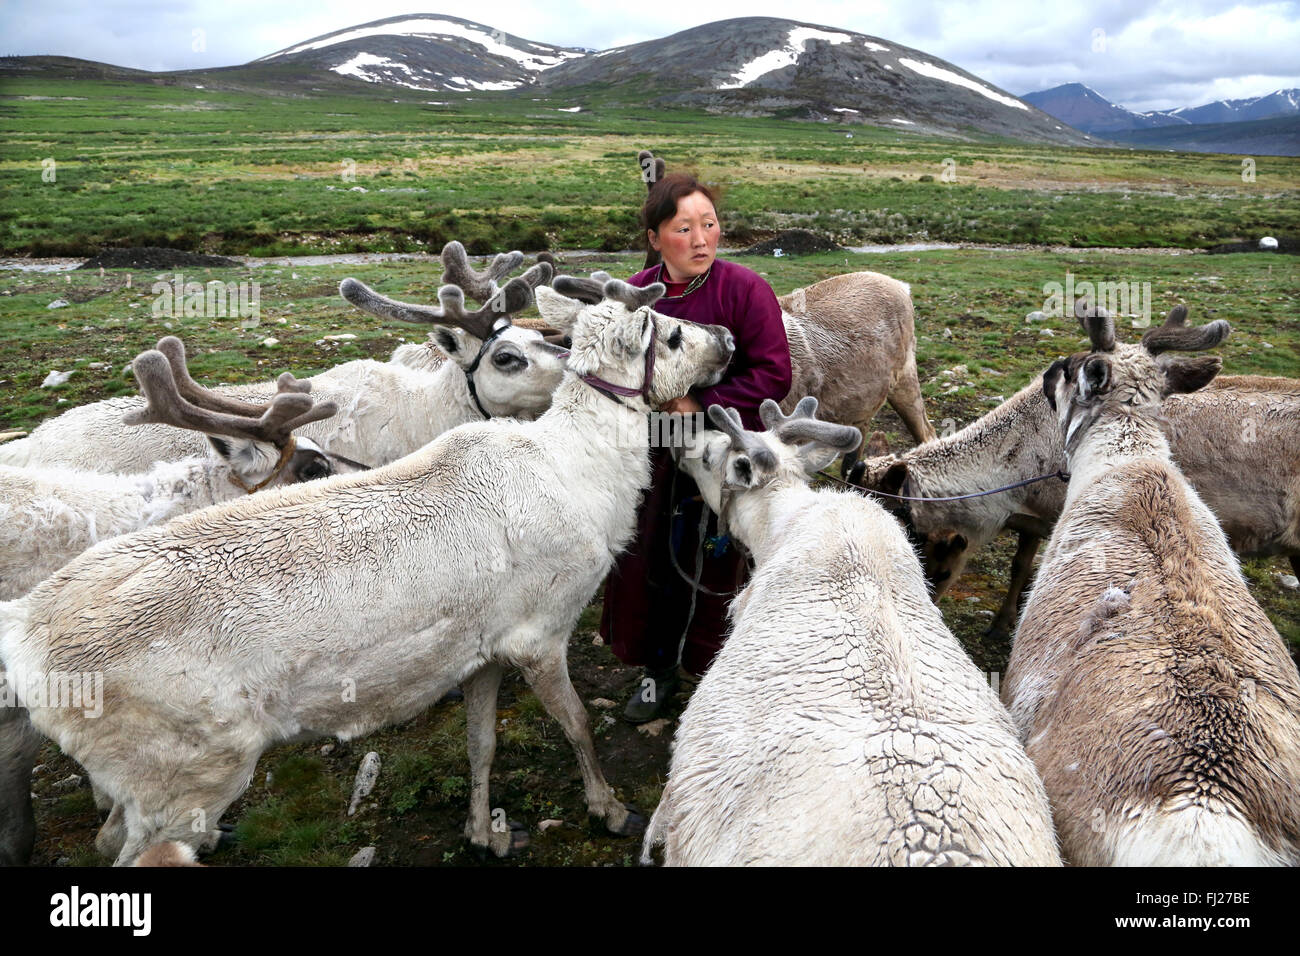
[[686, 405]]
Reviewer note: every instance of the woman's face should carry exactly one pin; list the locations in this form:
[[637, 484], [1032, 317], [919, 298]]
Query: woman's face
[[688, 242]]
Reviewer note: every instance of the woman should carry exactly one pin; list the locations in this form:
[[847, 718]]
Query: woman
[[652, 616]]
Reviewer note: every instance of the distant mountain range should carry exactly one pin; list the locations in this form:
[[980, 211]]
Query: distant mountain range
[[1269, 124], [752, 66]]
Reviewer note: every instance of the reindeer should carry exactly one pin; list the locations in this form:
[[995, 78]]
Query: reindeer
[[1152, 692]]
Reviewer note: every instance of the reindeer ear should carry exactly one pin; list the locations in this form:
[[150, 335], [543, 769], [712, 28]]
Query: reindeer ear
[[1050, 379], [1094, 377], [740, 472], [558, 310], [814, 456], [449, 340], [1190, 374], [894, 479]]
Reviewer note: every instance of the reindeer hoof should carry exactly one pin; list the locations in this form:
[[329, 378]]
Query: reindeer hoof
[[997, 633], [633, 824], [505, 844], [225, 836]]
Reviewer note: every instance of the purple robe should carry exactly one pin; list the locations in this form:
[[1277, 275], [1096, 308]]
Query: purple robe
[[647, 610]]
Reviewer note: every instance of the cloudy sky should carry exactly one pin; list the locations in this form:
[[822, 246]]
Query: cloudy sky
[[1142, 54]]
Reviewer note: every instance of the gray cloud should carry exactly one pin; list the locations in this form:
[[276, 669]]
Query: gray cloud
[[1152, 54]]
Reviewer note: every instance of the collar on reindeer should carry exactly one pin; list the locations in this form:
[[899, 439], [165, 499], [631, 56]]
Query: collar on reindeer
[[612, 391], [473, 367], [285, 454]]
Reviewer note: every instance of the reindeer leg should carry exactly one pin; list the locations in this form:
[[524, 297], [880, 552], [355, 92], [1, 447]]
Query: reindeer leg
[[481, 737], [549, 679], [1295, 564], [1022, 567], [905, 399], [19, 745]]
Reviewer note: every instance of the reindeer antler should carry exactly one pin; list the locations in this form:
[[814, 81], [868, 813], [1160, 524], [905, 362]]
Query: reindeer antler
[[803, 425], [165, 405], [479, 286], [603, 286], [652, 168], [516, 296], [174, 350], [1098, 323], [1175, 335]]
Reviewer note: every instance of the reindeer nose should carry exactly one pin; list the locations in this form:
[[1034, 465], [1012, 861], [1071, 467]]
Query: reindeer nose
[[728, 342]]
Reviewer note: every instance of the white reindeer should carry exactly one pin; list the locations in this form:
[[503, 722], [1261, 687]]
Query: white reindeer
[[842, 723], [1152, 692], [340, 606], [386, 409]]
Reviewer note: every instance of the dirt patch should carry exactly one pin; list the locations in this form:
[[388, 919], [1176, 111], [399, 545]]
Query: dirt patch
[[153, 257], [792, 242]]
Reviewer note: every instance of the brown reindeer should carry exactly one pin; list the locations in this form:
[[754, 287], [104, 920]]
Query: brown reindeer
[[1152, 692]]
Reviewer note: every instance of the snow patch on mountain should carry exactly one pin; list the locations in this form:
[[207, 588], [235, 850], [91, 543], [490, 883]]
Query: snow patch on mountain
[[782, 57], [948, 76], [429, 28]]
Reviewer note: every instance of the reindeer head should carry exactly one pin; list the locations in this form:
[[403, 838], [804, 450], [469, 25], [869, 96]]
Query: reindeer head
[[613, 327], [1128, 379], [735, 460], [256, 441], [512, 371]]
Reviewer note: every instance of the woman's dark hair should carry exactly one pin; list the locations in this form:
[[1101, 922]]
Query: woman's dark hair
[[661, 203]]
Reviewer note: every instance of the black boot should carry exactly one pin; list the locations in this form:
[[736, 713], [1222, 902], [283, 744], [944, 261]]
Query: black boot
[[652, 692]]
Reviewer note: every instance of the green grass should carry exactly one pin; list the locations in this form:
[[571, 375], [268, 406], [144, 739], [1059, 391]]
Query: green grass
[[245, 173]]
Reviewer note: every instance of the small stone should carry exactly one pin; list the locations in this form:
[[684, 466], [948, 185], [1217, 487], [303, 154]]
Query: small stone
[[99, 365], [598, 641], [58, 304], [268, 342], [1047, 333], [547, 824], [1267, 244], [339, 338], [70, 782], [55, 379], [1288, 581], [654, 728], [985, 613], [363, 857], [326, 750], [367, 775], [1267, 345], [947, 333], [359, 189], [604, 703], [972, 600], [1036, 316]]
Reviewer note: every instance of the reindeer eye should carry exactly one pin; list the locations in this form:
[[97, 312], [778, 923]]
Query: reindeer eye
[[316, 468], [675, 340], [505, 359]]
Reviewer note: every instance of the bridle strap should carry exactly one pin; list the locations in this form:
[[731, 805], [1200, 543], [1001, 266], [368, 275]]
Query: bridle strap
[[610, 390], [285, 454], [473, 367], [975, 494]]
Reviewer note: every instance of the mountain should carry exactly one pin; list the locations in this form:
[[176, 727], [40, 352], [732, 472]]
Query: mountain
[[763, 66], [427, 52], [1279, 136], [1085, 109], [751, 66], [1277, 103]]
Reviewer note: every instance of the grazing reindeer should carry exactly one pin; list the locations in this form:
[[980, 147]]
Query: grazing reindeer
[[1153, 694], [842, 723]]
